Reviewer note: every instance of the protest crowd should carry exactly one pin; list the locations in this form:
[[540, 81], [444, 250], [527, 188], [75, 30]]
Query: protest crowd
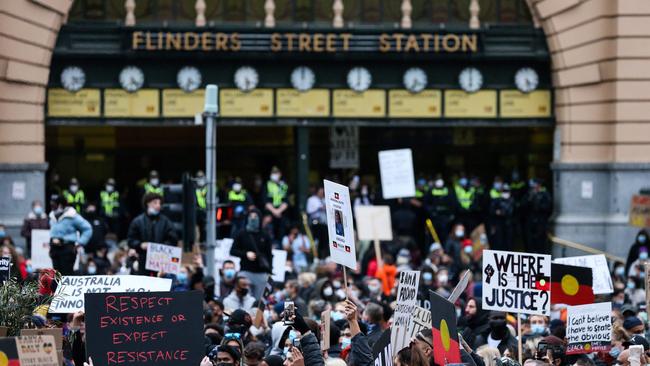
[[257, 312]]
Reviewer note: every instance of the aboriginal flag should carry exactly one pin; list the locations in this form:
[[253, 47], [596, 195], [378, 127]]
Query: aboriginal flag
[[9, 352], [571, 285], [445, 335]]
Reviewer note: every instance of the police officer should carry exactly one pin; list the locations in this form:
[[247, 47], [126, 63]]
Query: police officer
[[497, 186], [74, 196], [275, 202], [201, 193], [465, 199], [537, 209], [109, 199], [153, 185], [500, 227], [440, 206], [239, 200]]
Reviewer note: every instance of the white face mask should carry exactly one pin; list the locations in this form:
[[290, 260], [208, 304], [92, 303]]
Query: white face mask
[[236, 187], [109, 188], [505, 195], [74, 188], [439, 183], [275, 177], [200, 182], [154, 181], [328, 291], [459, 233]]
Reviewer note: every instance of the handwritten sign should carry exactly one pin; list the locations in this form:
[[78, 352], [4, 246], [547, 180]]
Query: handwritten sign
[[404, 104], [164, 258], [368, 104], [41, 249], [407, 294], [84, 103], [598, 264], [164, 328], [5, 269], [340, 224], [589, 328], [517, 282], [29, 351], [396, 170], [421, 320], [640, 211], [69, 296], [294, 103]]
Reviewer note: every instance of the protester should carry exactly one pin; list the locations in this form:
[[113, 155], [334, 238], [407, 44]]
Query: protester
[[253, 247], [36, 220], [67, 231]]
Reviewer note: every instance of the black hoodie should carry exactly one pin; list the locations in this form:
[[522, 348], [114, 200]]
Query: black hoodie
[[633, 254], [253, 241]]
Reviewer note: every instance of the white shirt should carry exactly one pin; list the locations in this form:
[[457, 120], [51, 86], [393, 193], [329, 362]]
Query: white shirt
[[494, 343]]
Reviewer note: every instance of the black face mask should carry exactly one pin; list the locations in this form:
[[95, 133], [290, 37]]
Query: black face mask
[[242, 292], [498, 327]]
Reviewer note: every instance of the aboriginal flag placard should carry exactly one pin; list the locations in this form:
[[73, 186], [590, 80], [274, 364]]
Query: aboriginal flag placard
[[571, 285], [446, 348]]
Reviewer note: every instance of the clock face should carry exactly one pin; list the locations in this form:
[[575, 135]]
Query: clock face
[[526, 79], [246, 78], [73, 78], [131, 78], [470, 79], [359, 79], [189, 78], [415, 79], [303, 78]]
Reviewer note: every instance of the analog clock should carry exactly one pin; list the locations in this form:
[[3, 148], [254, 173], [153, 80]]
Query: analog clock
[[188, 78], [131, 78], [359, 79], [415, 79], [526, 79], [470, 79], [73, 78], [246, 78], [303, 78]]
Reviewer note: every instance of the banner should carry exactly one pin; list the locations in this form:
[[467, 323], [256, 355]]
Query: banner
[[164, 258], [421, 320], [516, 282], [340, 224], [5, 269], [407, 293], [381, 350], [344, 147], [163, 328], [589, 328], [41, 249], [279, 264], [28, 351], [373, 223], [396, 170], [602, 279], [69, 295], [446, 348]]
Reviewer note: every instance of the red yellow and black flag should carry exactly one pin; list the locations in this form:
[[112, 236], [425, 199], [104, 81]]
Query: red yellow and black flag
[[571, 285], [446, 348]]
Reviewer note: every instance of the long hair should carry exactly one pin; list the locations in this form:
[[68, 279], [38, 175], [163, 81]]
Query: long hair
[[411, 356]]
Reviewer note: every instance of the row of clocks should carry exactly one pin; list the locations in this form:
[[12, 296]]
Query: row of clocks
[[303, 78]]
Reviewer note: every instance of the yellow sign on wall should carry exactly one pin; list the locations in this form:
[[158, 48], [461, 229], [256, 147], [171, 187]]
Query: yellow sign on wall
[[143, 103], [178, 103], [514, 103], [84, 103], [404, 104], [293, 103], [236, 103], [481, 104], [368, 104]]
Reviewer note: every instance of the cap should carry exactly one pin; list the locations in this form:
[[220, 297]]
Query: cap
[[434, 247], [74, 181], [200, 174], [275, 169], [240, 317], [632, 322], [637, 340], [629, 309], [110, 181], [153, 174]]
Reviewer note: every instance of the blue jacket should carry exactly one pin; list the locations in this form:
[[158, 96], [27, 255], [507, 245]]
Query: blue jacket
[[67, 226]]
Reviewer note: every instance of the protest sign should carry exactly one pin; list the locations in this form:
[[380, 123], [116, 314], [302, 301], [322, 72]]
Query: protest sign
[[162, 328], [163, 258], [421, 320], [279, 264], [446, 348], [373, 222], [602, 279], [516, 282], [344, 147], [340, 224], [41, 249], [460, 287], [57, 333], [396, 170], [222, 254], [325, 319], [5, 269], [589, 328], [28, 351], [69, 295], [381, 350], [640, 211], [407, 293]]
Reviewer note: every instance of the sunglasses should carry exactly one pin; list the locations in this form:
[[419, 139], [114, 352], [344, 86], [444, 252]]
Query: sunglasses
[[232, 336]]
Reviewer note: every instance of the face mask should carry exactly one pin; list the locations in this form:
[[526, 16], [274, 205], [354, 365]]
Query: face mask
[[253, 224], [439, 183], [2, 234], [631, 285], [29, 269], [336, 315], [38, 210], [402, 260], [285, 351], [443, 279], [537, 329], [459, 233], [200, 182], [74, 188], [92, 270], [373, 289], [620, 271], [229, 273], [364, 191], [483, 239], [236, 187], [468, 249], [458, 313], [497, 185], [642, 238], [463, 182], [154, 181], [355, 293], [615, 352], [328, 291], [505, 195], [242, 292], [275, 177], [427, 276], [345, 342], [643, 255], [152, 211], [181, 277]]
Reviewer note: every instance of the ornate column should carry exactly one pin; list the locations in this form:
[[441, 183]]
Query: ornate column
[[474, 8], [200, 13], [337, 22], [406, 14], [269, 9], [129, 5]]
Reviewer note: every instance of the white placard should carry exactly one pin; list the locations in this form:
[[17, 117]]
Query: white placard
[[340, 224], [18, 190], [279, 264], [344, 147], [222, 254], [407, 297], [598, 264], [41, 249], [517, 282], [396, 169], [373, 223], [421, 320], [589, 328], [164, 258], [69, 296]]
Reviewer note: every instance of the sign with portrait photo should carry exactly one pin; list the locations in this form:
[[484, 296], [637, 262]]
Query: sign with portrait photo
[[340, 224]]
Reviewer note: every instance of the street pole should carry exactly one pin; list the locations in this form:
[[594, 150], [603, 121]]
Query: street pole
[[211, 112]]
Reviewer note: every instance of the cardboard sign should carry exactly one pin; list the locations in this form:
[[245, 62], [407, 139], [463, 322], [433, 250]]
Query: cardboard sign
[[516, 282], [5, 269], [381, 350], [28, 351], [325, 319], [163, 258], [407, 297], [279, 264], [340, 224], [421, 320], [41, 249], [598, 264], [163, 328], [446, 348], [589, 328], [396, 170], [57, 333], [640, 211], [69, 296], [373, 223]]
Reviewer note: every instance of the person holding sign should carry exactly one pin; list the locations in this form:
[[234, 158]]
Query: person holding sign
[[150, 227]]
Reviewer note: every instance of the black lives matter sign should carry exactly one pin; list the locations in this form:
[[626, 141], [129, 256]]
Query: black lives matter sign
[[155, 328], [517, 282]]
